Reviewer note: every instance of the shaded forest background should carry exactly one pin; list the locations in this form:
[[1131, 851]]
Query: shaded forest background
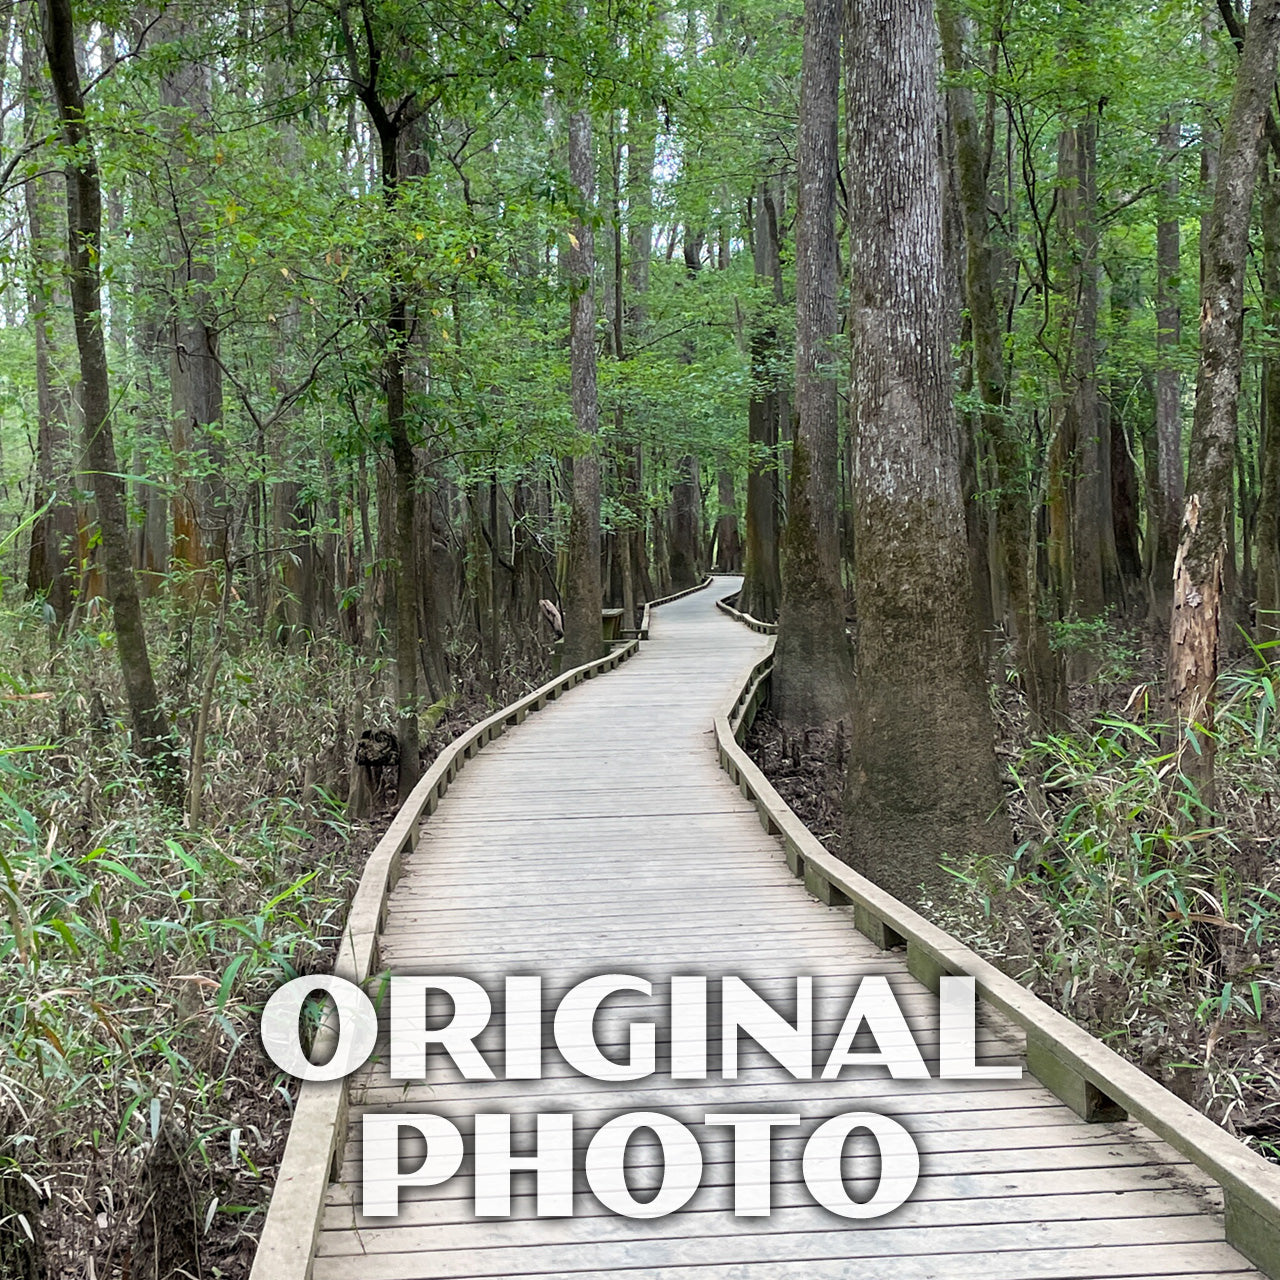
[[355, 355]]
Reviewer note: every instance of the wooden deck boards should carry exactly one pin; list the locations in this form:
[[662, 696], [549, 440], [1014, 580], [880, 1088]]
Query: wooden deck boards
[[603, 837]]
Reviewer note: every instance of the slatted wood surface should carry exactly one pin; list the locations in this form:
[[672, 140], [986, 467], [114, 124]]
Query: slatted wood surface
[[603, 837]]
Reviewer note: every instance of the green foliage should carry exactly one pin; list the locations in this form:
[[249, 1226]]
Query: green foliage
[[1133, 910], [134, 957]]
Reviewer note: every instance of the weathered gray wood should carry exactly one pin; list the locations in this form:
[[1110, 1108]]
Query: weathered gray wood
[[428, 1206], [1086, 1264], [391, 1245], [1004, 1259], [603, 836]]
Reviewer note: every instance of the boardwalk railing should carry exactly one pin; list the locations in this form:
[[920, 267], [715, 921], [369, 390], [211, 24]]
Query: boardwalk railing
[[1093, 1080], [728, 604], [313, 1151]]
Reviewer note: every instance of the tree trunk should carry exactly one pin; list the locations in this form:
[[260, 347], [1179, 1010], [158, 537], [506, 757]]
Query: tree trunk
[[50, 562], [1267, 616], [922, 773], [762, 583], [813, 663], [685, 548], [200, 512], [686, 526], [1202, 548], [1166, 498], [152, 738], [1094, 568], [1040, 667], [389, 129], [661, 566], [728, 539], [1124, 504], [582, 633], [1122, 474], [152, 535], [406, 547], [640, 132]]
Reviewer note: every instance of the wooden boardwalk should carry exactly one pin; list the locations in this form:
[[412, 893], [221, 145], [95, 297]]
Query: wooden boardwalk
[[602, 836]]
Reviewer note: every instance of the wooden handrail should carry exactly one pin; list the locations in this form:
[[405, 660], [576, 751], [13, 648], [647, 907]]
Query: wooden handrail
[[764, 628], [1076, 1066]]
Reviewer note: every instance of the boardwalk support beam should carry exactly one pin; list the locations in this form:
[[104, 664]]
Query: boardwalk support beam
[[871, 926], [1076, 1090], [821, 888], [1251, 1228]]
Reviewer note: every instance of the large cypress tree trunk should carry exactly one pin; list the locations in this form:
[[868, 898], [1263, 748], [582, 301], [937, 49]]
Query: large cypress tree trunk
[[761, 582], [686, 525], [1040, 667], [152, 738], [1094, 566], [640, 132], [813, 666], [685, 551], [582, 634], [290, 517], [922, 773], [1202, 549], [1126, 294], [395, 350], [728, 539], [406, 547]]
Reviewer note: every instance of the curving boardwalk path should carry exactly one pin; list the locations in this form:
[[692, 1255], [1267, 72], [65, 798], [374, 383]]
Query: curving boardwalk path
[[602, 836]]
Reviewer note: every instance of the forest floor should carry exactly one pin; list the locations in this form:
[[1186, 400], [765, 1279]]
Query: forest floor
[[136, 1114], [1121, 905]]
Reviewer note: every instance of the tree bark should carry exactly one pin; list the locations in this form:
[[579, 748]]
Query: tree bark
[[686, 525], [1094, 566], [728, 539], [1202, 548], [640, 136], [813, 662], [582, 629], [762, 582], [201, 516], [1166, 498], [290, 516], [388, 131], [1267, 614], [922, 774], [152, 738], [685, 548], [406, 547], [1122, 475]]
